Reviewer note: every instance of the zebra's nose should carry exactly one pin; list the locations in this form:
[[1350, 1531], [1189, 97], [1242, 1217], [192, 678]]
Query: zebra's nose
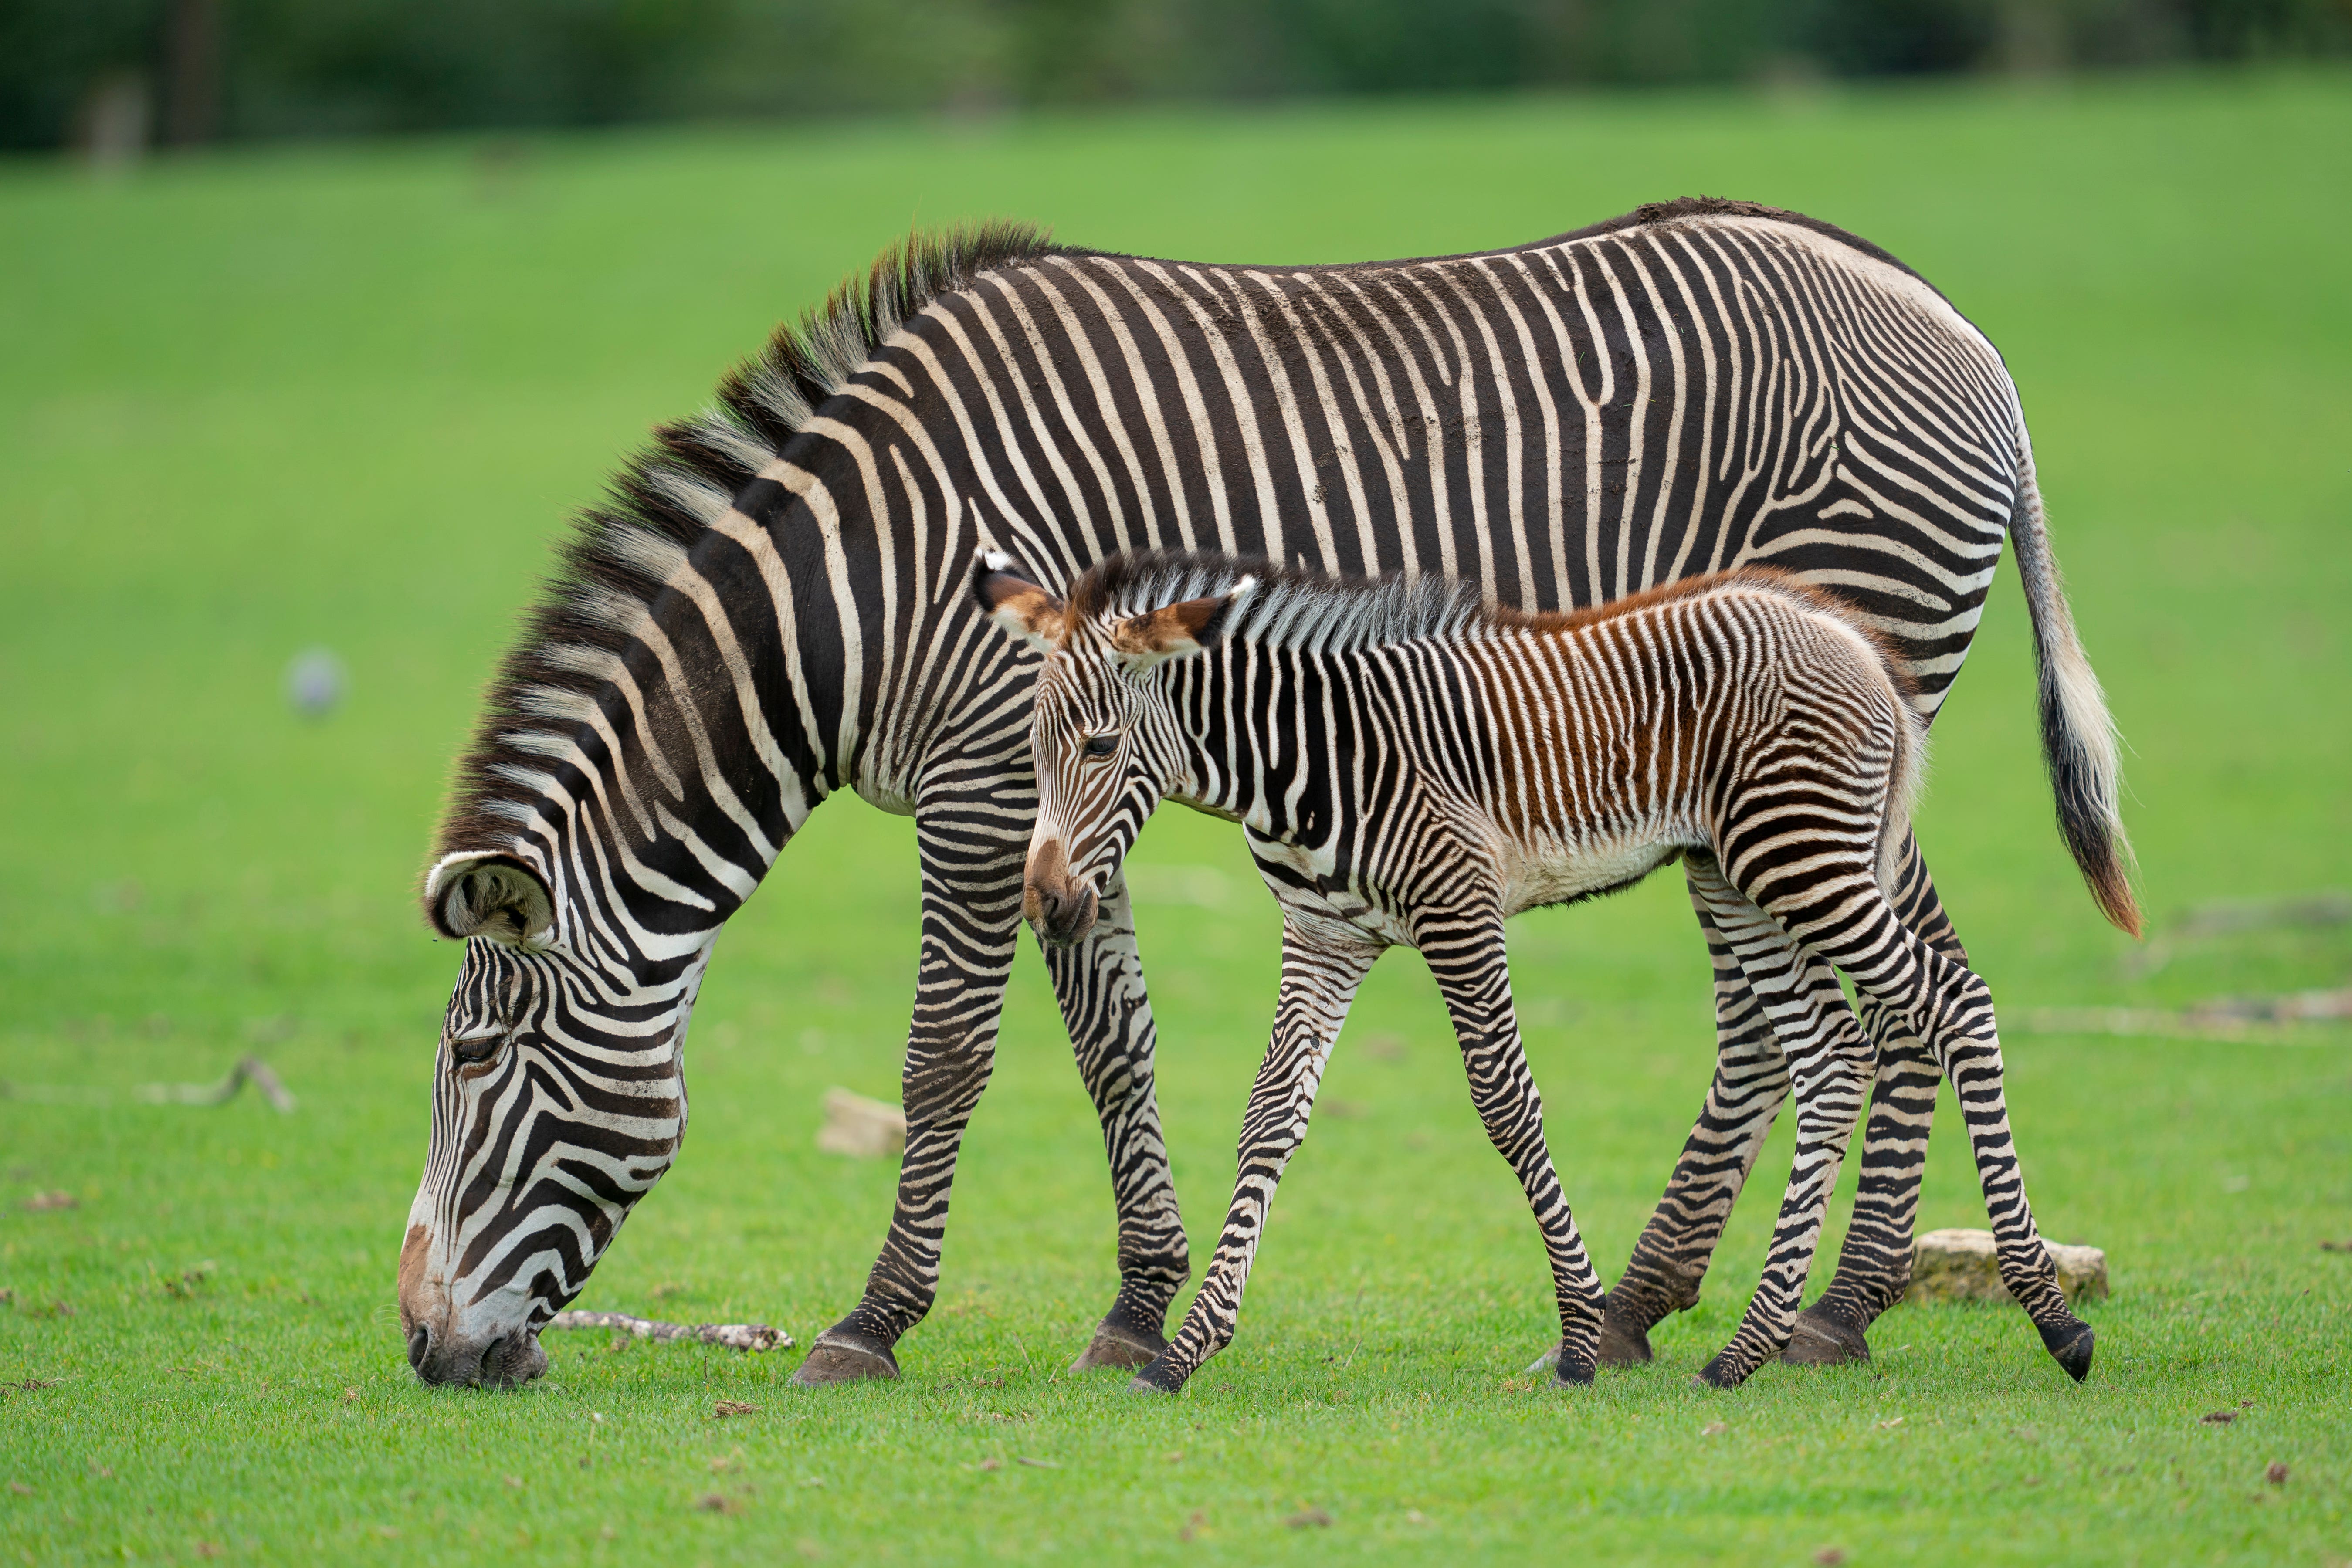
[[420, 1345]]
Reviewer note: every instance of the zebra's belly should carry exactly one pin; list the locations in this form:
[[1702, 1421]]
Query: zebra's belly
[[1557, 873]]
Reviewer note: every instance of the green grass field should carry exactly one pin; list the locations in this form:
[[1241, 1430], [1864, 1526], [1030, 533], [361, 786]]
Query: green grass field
[[257, 401]]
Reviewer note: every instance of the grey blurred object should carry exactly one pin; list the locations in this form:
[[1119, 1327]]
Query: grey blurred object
[[314, 683], [1961, 1265]]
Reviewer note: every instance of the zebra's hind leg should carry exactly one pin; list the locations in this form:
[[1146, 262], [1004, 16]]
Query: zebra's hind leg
[[1468, 958], [1829, 1062], [1323, 963], [1875, 1266], [1752, 1079], [1099, 982]]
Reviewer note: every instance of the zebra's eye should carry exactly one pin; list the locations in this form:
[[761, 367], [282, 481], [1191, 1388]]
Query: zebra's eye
[[1100, 745], [477, 1050]]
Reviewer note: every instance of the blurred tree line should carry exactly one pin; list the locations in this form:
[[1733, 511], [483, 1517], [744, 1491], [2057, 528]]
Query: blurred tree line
[[117, 74]]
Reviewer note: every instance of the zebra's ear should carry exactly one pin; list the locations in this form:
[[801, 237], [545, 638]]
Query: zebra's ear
[[1021, 608], [1178, 631], [491, 895]]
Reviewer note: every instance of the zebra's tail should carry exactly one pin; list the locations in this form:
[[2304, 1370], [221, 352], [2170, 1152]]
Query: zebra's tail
[[2078, 737]]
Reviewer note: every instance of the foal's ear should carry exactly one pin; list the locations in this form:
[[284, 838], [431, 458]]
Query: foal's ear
[[490, 895], [1022, 609], [1175, 631]]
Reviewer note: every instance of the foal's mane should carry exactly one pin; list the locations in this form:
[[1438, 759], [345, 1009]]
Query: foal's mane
[[1299, 608]]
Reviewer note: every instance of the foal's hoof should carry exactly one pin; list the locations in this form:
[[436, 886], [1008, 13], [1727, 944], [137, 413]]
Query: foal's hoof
[[1571, 1372], [1623, 1341], [1158, 1377], [1719, 1374], [2072, 1342], [1821, 1338], [1119, 1346], [844, 1355]]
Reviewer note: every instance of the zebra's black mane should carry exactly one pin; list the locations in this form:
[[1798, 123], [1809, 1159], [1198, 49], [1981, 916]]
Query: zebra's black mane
[[613, 564]]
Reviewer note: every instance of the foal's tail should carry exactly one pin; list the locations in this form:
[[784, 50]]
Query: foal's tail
[[2078, 737]]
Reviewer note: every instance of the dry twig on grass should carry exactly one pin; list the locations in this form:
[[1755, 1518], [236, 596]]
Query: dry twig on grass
[[248, 1069], [2235, 918], [734, 1336], [2216, 1018]]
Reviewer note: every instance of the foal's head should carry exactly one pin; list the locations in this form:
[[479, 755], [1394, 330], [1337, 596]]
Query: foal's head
[[1103, 732]]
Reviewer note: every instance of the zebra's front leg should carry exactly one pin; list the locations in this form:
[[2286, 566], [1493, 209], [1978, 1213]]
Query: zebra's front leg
[[1099, 982], [971, 924], [1752, 1079], [1322, 966], [1875, 1266], [1829, 1062], [1467, 957]]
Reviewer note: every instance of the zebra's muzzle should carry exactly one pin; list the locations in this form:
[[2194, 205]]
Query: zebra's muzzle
[[508, 1362]]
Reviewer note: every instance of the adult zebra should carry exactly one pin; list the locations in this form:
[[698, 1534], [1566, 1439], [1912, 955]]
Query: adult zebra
[[771, 609]]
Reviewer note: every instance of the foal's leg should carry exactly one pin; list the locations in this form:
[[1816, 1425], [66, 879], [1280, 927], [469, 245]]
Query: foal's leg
[[1466, 957], [1954, 1013], [1099, 982], [1875, 1266], [1950, 1008], [1829, 1061], [1322, 966], [1752, 1079]]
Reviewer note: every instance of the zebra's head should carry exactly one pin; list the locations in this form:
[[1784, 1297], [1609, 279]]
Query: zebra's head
[[1103, 734], [559, 1099]]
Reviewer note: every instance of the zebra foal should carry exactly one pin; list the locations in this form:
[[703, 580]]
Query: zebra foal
[[1412, 767]]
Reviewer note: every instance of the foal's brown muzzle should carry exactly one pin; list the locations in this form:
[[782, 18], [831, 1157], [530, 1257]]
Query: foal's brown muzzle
[[1058, 908]]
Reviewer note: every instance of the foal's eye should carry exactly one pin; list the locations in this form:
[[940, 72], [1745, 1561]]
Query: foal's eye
[[1100, 745], [477, 1050]]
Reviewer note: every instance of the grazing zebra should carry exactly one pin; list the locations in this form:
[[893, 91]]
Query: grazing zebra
[[773, 608], [1413, 768]]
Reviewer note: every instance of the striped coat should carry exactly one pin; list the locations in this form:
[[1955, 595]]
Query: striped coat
[[773, 608]]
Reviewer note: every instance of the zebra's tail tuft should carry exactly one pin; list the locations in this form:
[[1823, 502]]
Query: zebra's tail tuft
[[2079, 744]]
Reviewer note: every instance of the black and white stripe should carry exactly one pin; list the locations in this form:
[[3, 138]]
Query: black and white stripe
[[773, 608], [1411, 768]]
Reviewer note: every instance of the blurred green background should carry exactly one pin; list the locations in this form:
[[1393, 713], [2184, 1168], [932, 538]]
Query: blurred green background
[[342, 396], [104, 73]]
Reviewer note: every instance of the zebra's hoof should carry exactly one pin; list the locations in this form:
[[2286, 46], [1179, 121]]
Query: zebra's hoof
[[844, 1355], [2070, 1342], [1821, 1338], [1624, 1341], [1119, 1346], [1571, 1372]]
